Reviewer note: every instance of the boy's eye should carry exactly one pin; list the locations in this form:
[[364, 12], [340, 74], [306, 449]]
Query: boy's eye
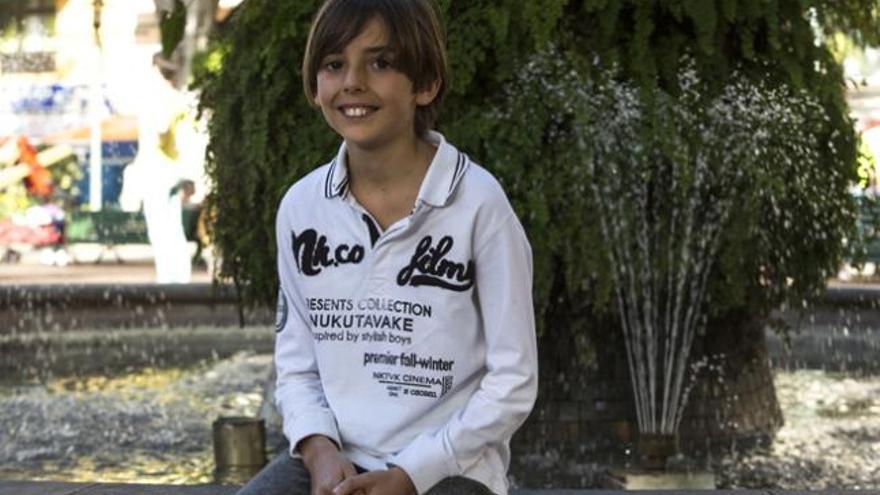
[[381, 63], [332, 65]]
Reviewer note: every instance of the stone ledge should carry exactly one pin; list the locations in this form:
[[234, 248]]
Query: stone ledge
[[60, 488], [59, 308], [40, 295]]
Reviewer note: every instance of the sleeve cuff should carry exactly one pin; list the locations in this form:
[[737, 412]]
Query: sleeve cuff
[[312, 424], [426, 463]]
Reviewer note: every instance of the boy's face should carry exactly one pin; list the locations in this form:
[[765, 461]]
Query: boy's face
[[364, 97]]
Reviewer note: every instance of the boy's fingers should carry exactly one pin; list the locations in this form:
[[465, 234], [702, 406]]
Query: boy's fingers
[[324, 489], [348, 471], [351, 485]]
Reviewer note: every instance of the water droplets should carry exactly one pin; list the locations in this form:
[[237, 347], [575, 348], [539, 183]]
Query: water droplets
[[144, 424]]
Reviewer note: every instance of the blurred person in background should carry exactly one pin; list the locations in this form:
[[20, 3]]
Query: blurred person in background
[[166, 172]]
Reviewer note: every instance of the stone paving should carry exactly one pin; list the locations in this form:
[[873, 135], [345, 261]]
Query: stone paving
[[136, 267]]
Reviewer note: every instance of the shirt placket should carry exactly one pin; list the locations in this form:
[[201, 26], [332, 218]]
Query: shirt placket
[[382, 274]]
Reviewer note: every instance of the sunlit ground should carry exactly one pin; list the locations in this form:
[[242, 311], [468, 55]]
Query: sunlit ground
[[154, 426], [831, 437]]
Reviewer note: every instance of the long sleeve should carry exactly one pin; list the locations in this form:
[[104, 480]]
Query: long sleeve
[[508, 390], [299, 394]]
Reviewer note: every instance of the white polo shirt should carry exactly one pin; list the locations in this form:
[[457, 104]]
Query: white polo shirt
[[415, 346]]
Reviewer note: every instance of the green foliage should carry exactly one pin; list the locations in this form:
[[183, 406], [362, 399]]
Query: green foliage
[[172, 26], [669, 174], [857, 19], [265, 135]]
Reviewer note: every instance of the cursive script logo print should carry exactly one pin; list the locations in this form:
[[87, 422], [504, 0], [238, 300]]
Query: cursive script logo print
[[428, 266], [312, 254]]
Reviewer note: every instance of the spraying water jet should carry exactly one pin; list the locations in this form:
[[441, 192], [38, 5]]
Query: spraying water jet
[[668, 171]]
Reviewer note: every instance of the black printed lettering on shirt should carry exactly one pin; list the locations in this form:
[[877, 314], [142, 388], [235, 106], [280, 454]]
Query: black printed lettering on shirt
[[428, 266], [312, 254]]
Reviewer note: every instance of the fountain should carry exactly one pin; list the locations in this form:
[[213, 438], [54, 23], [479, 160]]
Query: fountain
[[671, 178], [667, 171]]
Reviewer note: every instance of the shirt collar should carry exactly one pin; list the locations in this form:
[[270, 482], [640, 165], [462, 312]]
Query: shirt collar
[[444, 173]]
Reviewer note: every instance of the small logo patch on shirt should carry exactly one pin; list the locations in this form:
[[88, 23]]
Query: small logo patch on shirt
[[312, 254], [428, 266], [280, 311]]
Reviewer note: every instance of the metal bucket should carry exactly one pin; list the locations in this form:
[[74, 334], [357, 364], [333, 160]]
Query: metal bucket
[[239, 449]]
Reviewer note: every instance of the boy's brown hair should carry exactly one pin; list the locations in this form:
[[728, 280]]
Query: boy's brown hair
[[415, 36]]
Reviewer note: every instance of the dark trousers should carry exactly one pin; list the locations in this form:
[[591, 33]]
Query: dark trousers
[[288, 476]]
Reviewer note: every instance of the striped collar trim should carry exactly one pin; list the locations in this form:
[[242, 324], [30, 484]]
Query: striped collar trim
[[336, 182], [444, 173]]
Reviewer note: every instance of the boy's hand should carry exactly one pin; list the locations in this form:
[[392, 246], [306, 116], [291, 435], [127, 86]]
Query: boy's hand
[[327, 466], [394, 481]]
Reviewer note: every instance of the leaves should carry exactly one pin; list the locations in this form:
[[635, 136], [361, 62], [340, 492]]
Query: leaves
[[512, 111], [171, 28], [704, 18]]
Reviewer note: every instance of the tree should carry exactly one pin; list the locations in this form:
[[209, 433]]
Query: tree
[[184, 27], [265, 134], [781, 248]]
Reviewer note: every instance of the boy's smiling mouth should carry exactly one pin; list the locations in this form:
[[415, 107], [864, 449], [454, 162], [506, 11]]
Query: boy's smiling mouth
[[357, 111]]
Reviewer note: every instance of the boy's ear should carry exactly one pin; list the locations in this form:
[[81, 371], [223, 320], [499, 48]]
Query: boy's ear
[[427, 95]]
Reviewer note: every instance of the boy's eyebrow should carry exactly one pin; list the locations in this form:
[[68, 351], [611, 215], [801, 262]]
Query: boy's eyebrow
[[380, 49]]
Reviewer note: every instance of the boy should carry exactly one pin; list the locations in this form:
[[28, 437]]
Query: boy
[[405, 352]]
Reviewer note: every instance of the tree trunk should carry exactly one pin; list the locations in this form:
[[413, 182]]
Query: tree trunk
[[584, 420]]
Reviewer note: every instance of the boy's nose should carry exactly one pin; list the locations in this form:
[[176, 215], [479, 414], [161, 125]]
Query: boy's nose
[[354, 79]]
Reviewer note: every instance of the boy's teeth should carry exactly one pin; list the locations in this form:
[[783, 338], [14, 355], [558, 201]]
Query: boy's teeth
[[355, 111]]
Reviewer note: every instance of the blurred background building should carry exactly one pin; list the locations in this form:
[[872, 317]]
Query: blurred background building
[[76, 79]]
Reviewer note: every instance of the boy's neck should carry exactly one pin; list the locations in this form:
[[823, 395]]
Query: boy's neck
[[390, 168]]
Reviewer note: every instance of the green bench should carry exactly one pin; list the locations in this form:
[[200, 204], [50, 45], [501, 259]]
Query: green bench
[[112, 228]]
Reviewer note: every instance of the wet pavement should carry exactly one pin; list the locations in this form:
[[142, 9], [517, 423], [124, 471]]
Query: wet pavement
[[146, 426], [136, 267], [153, 426], [830, 440], [149, 422]]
